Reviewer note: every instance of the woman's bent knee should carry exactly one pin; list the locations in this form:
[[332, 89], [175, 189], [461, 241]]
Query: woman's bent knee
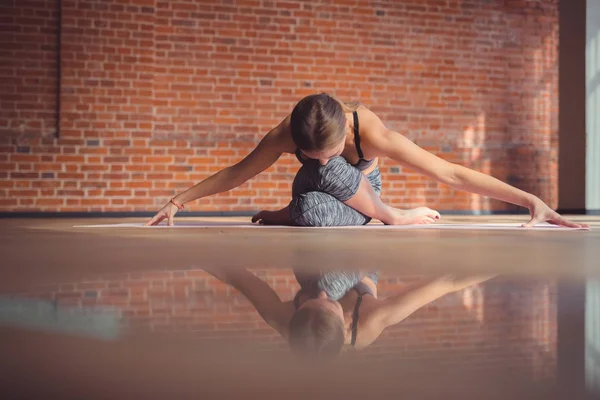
[[337, 178]]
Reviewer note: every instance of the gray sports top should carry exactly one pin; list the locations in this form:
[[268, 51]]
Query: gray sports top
[[335, 283]]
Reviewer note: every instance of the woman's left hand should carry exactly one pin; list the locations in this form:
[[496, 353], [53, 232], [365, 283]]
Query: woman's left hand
[[540, 212]]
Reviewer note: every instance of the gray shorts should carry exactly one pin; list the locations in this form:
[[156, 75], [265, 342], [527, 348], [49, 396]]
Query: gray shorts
[[318, 193]]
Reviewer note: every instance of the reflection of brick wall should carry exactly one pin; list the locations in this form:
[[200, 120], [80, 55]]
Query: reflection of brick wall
[[158, 94], [499, 323]]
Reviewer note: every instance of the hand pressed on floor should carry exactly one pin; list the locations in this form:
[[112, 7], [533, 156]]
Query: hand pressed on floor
[[279, 217]]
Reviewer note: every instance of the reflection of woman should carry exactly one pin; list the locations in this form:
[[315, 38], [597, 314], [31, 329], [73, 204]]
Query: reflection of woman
[[337, 308]]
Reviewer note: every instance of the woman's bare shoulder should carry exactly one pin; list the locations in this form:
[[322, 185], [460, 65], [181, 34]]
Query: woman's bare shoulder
[[283, 320], [282, 134], [370, 283], [367, 331], [370, 122]]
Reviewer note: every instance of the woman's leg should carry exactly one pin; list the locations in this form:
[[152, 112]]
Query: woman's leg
[[322, 209], [346, 184], [336, 194]]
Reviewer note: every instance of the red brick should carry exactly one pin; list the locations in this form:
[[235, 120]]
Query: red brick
[[70, 159], [94, 202], [117, 193], [23, 193], [22, 158], [159, 160], [49, 202], [138, 184], [91, 285]]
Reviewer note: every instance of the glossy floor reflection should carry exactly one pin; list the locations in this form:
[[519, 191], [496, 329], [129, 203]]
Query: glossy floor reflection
[[503, 330], [489, 318], [140, 314]]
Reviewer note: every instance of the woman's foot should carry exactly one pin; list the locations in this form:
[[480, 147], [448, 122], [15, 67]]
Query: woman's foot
[[415, 216], [280, 217]]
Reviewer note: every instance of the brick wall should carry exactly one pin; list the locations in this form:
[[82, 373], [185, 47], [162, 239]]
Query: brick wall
[[28, 71], [499, 324], [156, 95]]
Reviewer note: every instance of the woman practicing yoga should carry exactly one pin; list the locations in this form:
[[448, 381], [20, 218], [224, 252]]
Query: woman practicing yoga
[[337, 308], [339, 183]]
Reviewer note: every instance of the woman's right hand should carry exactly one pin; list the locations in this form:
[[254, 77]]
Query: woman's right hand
[[168, 212]]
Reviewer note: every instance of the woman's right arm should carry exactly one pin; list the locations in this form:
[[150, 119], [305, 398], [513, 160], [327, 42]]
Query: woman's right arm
[[266, 153], [264, 299]]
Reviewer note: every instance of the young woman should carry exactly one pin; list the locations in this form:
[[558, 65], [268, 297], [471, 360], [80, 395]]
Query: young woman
[[337, 308], [339, 183]]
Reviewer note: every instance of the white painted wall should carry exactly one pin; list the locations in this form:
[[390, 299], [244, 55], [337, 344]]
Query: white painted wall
[[592, 72], [592, 196], [592, 336]]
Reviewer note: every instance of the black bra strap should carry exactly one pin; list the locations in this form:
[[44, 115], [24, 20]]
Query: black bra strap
[[297, 299], [355, 320], [357, 136]]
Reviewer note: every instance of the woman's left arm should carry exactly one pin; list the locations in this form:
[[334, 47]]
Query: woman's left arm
[[397, 307], [388, 143]]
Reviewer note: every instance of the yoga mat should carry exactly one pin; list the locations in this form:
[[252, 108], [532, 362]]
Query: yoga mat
[[214, 224]]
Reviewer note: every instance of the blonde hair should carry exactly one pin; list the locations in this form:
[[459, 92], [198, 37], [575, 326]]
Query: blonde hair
[[347, 106], [315, 332], [318, 121]]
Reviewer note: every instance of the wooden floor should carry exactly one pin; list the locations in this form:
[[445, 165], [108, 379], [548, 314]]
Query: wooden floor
[[51, 251], [39, 251]]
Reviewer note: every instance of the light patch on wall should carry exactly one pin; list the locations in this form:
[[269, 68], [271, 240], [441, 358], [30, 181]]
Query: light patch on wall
[[472, 298], [474, 138]]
